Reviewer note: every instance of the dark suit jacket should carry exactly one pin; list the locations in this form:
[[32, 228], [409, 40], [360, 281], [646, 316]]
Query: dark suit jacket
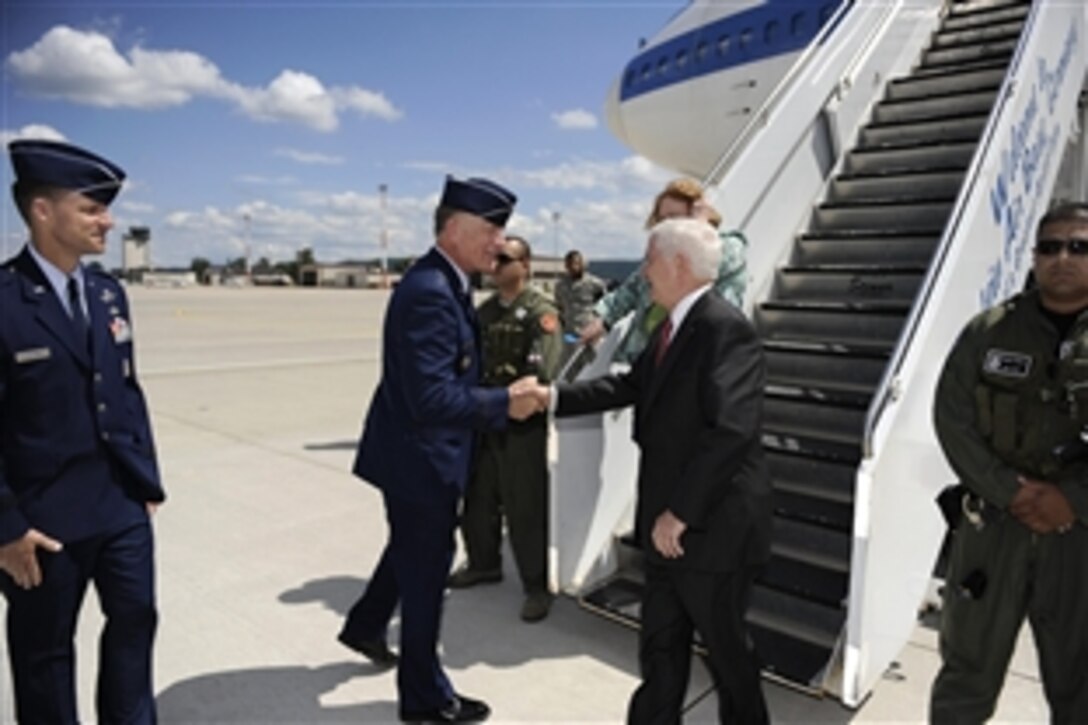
[[73, 420], [697, 424], [419, 434]]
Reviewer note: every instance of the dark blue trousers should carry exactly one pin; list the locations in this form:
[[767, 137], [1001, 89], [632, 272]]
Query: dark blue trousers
[[41, 625], [412, 572]]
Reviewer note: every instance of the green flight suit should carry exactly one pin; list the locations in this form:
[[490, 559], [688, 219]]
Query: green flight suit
[[520, 338], [1010, 397]]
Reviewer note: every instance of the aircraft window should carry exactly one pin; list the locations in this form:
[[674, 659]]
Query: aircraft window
[[797, 25], [723, 45], [646, 71], [770, 32], [663, 66], [745, 38], [701, 51], [630, 80], [681, 59]]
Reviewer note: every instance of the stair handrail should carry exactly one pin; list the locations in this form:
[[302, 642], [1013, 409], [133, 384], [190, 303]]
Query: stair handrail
[[883, 394], [758, 120]]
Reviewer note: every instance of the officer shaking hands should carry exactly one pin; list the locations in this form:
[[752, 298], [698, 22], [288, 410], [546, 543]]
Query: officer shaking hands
[[78, 473], [1011, 406], [521, 336]]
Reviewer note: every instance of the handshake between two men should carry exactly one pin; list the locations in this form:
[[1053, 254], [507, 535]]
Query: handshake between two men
[[528, 397]]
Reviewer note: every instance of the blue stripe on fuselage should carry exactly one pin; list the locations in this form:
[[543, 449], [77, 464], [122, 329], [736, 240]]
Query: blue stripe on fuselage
[[775, 28]]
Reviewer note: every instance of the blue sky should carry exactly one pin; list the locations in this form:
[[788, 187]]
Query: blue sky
[[295, 113]]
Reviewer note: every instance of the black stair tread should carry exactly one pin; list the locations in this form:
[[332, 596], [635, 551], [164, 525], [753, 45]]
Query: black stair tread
[[785, 658], [766, 610], [887, 174], [887, 201], [998, 15], [813, 558], [1002, 54], [870, 269], [884, 146], [813, 490], [619, 598], [871, 350], [854, 395], [883, 125], [874, 307], [992, 90], [806, 444], [834, 515], [951, 71], [1011, 32], [884, 234], [816, 435], [961, 9], [806, 580]]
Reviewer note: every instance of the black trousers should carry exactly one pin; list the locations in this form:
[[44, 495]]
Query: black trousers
[[676, 603], [511, 480], [412, 573], [41, 625]]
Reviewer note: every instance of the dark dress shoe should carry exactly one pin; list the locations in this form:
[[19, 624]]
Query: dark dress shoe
[[536, 606], [375, 650], [465, 577], [460, 709]]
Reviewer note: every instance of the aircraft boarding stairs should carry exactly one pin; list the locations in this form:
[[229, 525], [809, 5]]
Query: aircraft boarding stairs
[[831, 322]]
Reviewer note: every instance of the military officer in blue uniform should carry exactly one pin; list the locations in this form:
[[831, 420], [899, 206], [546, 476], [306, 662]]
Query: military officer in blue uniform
[[418, 441], [78, 473]]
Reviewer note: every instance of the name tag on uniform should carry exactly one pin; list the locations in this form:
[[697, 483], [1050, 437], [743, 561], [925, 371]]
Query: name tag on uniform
[[1007, 364], [34, 354]]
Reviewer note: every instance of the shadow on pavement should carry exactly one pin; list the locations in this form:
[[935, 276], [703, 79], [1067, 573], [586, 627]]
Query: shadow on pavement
[[269, 695]]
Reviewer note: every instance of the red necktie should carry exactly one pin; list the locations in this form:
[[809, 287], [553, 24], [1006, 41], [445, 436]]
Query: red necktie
[[663, 341]]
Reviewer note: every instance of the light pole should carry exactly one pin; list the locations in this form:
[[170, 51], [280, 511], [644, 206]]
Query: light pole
[[245, 218], [383, 190]]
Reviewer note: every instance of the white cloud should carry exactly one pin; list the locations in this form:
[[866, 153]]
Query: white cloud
[[35, 131], [602, 207], [85, 67], [577, 119], [259, 180], [292, 96], [367, 103], [309, 157], [136, 207]]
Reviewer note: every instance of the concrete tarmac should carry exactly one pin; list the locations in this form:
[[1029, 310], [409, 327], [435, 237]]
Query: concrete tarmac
[[266, 540]]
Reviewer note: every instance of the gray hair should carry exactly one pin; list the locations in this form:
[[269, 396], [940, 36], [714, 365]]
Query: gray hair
[[692, 239]]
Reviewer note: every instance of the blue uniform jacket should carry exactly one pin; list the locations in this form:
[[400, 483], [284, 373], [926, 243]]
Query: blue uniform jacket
[[75, 437], [419, 434]]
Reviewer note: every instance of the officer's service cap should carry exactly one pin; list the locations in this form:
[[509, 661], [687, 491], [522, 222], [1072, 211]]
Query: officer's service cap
[[62, 165], [481, 197]]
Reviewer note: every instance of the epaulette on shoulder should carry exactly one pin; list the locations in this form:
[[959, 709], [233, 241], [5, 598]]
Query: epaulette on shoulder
[[8, 275], [990, 317]]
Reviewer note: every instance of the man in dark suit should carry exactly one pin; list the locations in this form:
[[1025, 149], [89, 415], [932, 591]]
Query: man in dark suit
[[703, 515], [78, 474], [418, 441]]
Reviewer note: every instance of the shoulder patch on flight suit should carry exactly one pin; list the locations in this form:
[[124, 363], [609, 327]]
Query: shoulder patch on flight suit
[[549, 322], [1006, 363]]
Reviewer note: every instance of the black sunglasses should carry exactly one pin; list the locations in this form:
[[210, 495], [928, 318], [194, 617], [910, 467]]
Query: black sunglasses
[[503, 258], [1051, 247]]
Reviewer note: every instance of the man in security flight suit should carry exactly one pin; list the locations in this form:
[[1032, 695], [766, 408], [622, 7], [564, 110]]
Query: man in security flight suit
[[78, 474], [1011, 409], [521, 336]]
